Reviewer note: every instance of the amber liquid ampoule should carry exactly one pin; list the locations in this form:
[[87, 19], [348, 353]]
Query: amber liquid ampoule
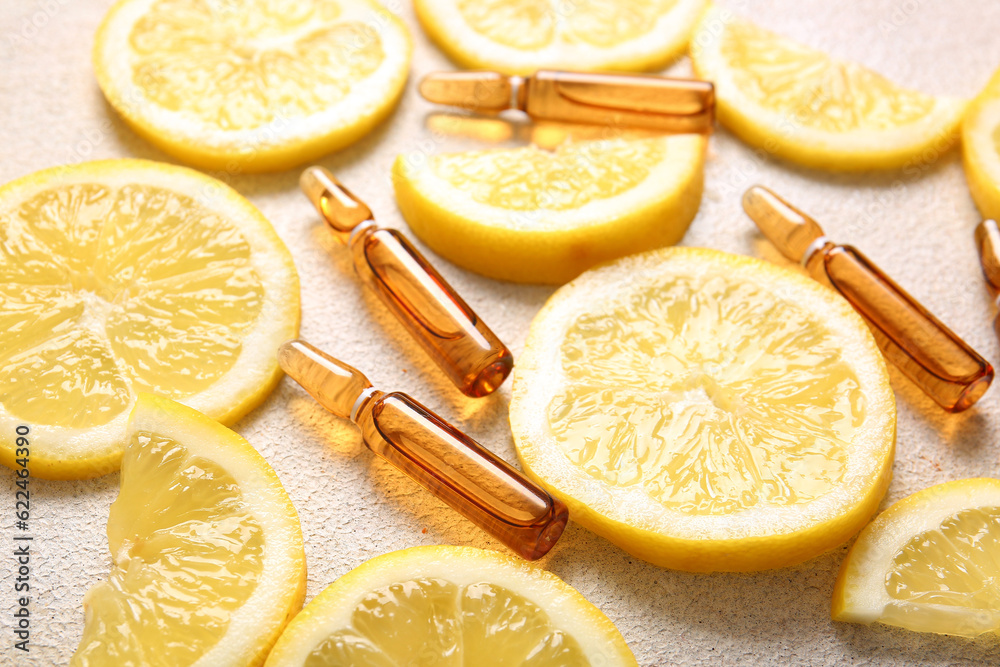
[[461, 344], [916, 342], [988, 243], [643, 101], [458, 470]]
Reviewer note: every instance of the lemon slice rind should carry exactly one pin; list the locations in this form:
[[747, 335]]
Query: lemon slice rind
[[979, 149]]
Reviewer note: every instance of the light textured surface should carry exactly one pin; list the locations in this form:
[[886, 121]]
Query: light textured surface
[[916, 224]]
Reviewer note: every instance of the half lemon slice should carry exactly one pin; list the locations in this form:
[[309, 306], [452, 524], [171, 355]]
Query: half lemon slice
[[254, 85], [804, 106], [207, 550], [447, 607], [521, 36], [544, 216], [928, 563]]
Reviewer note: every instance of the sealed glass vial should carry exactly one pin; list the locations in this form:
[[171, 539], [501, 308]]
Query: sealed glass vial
[[943, 365], [988, 244], [461, 344], [645, 101], [451, 465]]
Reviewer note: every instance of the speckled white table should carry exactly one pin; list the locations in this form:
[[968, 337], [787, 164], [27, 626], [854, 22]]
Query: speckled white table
[[918, 226]]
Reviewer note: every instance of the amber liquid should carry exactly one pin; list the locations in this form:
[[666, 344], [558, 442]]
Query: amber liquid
[[924, 349], [468, 477], [449, 331]]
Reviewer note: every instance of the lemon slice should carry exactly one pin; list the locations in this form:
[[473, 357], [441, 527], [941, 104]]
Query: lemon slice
[[207, 550], [981, 149], [928, 563], [124, 276], [803, 106], [706, 411], [521, 36], [447, 607], [255, 85], [539, 216]]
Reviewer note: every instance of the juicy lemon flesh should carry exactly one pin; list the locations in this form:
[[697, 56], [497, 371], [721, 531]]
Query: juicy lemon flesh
[[430, 622], [710, 394], [248, 64], [823, 93], [530, 179], [187, 553], [108, 290], [532, 25], [955, 565]]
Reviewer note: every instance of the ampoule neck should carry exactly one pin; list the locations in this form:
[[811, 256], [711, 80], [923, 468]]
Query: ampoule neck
[[365, 404]]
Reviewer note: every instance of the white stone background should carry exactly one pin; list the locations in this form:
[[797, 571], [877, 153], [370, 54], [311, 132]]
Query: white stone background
[[353, 507]]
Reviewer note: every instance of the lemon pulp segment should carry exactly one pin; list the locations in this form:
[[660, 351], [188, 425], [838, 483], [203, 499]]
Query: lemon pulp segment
[[430, 622], [955, 564], [536, 180], [120, 289], [187, 553], [828, 94], [721, 397], [532, 25], [240, 66]]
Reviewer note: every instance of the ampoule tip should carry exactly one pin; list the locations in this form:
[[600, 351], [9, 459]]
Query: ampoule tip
[[988, 244], [341, 209], [789, 229]]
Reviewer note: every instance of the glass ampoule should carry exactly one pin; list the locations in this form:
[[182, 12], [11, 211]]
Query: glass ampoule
[[988, 244], [943, 365], [628, 100], [451, 465], [461, 344]]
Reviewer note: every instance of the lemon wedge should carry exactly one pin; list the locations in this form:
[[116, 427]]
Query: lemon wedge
[[254, 85], [521, 36], [981, 149], [928, 563], [543, 216], [806, 107], [124, 276], [207, 550], [444, 606], [706, 411]]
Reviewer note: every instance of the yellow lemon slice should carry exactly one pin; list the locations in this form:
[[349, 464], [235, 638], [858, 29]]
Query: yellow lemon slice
[[207, 550], [125, 276], [928, 563], [251, 85], [521, 36], [981, 149], [448, 607], [801, 105], [537, 216], [706, 411]]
